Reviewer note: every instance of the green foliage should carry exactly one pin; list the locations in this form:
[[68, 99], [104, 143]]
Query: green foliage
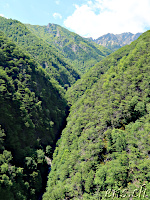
[[2, 134], [105, 145], [45, 54], [49, 150], [40, 156], [94, 74], [32, 114], [81, 53]]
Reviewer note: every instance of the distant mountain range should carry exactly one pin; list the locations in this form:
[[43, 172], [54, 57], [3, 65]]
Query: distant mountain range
[[116, 41]]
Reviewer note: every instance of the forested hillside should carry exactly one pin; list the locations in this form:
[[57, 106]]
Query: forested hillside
[[32, 114], [104, 149], [47, 55], [94, 74], [101, 151], [81, 53]]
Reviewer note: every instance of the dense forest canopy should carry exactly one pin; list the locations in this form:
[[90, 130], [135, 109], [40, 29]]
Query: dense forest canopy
[[32, 113], [93, 75], [90, 132], [45, 54], [105, 145], [81, 53]]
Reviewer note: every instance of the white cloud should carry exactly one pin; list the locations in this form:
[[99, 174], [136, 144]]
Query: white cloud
[[57, 16], [3, 16], [100, 17]]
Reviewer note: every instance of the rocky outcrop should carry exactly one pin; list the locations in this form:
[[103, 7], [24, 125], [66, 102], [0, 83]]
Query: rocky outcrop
[[114, 42]]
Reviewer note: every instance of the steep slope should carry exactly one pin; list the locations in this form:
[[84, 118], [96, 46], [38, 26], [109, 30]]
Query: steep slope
[[104, 148], [81, 53], [116, 41], [32, 114], [93, 75], [45, 54]]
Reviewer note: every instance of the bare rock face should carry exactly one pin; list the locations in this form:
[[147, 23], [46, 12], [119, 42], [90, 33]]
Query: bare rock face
[[114, 42], [58, 34]]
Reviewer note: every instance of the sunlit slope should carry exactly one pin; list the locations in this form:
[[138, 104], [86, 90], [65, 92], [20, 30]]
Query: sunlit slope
[[94, 74], [47, 55], [81, 53], [105, 145]]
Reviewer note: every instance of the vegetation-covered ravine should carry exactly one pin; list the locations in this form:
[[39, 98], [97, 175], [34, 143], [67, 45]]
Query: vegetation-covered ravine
[[104, 149], [32, 115], [72, 127]]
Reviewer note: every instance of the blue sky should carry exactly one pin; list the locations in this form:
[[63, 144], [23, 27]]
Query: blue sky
[[90, 18], [38, 11]]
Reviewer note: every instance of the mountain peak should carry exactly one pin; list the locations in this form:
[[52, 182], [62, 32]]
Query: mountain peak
[[115, 41]]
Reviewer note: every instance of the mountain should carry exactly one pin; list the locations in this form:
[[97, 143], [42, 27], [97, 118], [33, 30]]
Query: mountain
[[94, 74], [45, 54], [114, 42], [33, 78], [104, 149], [32, 114], [81, 53]]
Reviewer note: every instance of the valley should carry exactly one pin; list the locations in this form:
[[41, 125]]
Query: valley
[[74, 115]]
